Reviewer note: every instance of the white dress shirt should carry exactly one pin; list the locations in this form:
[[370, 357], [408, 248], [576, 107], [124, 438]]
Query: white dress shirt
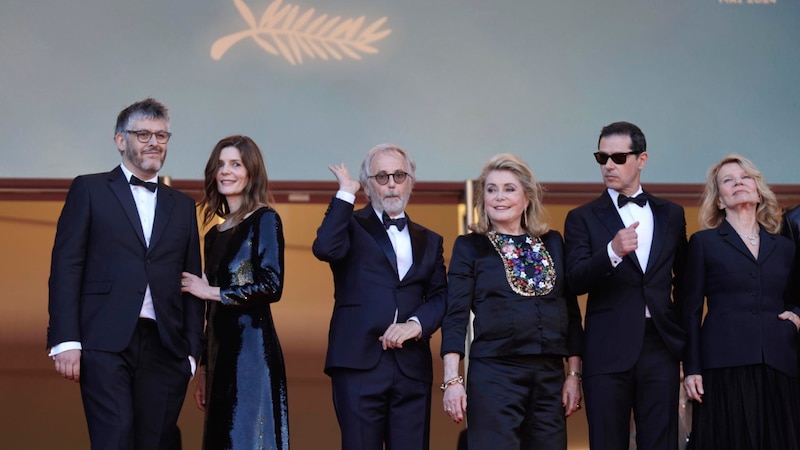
[[629, 214], [401, 243]]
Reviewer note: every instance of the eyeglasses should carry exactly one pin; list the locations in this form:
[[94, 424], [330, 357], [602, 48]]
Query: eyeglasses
[[382, 177], [162, 137], [618, 158]]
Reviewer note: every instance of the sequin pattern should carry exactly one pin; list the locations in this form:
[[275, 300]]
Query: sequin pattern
[[247, 405], [528, 265]]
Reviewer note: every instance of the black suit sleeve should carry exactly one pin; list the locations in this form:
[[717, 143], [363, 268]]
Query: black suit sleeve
[[585, 266], [67, 265], [194, 308], [694, 291]]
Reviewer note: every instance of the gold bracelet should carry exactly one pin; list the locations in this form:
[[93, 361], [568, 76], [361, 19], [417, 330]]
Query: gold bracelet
[[575, 373], [459, 380]]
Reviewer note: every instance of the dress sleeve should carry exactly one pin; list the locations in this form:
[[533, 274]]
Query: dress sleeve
[[258, 275], [460, 290]]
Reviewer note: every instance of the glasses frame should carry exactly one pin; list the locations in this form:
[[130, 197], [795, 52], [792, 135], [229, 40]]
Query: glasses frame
[[399, 177], [141, 133], [618, 158]]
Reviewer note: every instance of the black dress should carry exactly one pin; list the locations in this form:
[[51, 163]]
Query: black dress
[[246, 405]]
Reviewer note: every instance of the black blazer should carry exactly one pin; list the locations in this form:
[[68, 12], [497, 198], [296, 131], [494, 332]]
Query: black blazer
[[791, 229], [744, 296], [615, 322], [101, 267], [368, 291], [506, 323]]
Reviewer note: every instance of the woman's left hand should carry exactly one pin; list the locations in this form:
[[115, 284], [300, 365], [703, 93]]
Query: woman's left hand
[[571, 395], [192, 284], [788, 315]]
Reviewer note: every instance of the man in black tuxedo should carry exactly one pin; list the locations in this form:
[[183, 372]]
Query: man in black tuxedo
[[390, 290], [626, 249], [119, 324], [791, 229]]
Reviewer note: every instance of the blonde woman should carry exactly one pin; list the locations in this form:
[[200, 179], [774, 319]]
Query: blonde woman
[[741, 364], [510, 273]]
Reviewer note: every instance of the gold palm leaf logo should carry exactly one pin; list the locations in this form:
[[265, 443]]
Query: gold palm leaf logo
[[283, 31]]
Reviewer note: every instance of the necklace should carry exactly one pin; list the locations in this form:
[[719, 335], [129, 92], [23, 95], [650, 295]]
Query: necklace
[[753, 239]]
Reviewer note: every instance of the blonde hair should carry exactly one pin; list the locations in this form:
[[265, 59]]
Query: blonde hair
[[768, 213], [532, 219]]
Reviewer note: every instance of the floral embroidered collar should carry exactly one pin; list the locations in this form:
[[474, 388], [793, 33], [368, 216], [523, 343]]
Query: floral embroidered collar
[[528, 265]]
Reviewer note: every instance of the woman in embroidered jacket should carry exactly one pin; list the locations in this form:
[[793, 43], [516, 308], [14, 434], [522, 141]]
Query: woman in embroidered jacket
[[509, 273], [741, 360]]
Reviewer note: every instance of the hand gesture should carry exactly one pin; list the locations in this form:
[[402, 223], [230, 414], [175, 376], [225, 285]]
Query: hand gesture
[[626, 240], [346, 183]]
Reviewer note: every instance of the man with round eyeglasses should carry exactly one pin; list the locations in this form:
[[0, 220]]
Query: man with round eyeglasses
[[390, 290], [626, 249], [119, 324]]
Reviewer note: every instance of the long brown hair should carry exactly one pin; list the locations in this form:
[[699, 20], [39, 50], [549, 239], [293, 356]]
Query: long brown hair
[[255, 193]]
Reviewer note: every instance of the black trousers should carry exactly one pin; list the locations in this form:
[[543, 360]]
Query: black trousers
[[132, 399], [650, 389], [382, 406], [515, 403]]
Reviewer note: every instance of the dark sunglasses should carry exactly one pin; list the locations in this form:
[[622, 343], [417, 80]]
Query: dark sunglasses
[[383, 178], [618, 158]]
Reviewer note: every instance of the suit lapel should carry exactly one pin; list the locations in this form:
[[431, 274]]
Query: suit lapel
[[164, 206], [419, 241], [660, 223], [607, 213], [369, 220], [768, 244], [730, 236], [119, 186]]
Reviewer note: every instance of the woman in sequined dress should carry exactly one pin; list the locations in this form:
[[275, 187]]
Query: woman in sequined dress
[[241, 382], [509, 273]]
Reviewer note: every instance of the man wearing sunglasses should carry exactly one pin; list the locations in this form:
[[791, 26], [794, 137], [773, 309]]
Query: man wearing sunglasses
[[626, 249], [389, 298]]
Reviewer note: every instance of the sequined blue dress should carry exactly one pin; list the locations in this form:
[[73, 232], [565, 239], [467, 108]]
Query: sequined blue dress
[[246, 404]]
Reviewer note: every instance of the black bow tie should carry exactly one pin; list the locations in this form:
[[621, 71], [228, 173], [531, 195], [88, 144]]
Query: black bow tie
[[640, 200], [149, 185], [400, 222]]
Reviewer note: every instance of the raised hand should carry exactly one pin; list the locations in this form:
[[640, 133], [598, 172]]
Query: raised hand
[[346, 183]]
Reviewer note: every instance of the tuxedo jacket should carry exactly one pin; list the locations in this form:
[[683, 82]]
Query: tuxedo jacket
[[101, 266], [615, 308], [368, 291], [744, 296]]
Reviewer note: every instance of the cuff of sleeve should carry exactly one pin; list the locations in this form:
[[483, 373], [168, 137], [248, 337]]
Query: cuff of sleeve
[[346, 196], [615, 260], [64, 346], [416, 319], [193, 363]]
